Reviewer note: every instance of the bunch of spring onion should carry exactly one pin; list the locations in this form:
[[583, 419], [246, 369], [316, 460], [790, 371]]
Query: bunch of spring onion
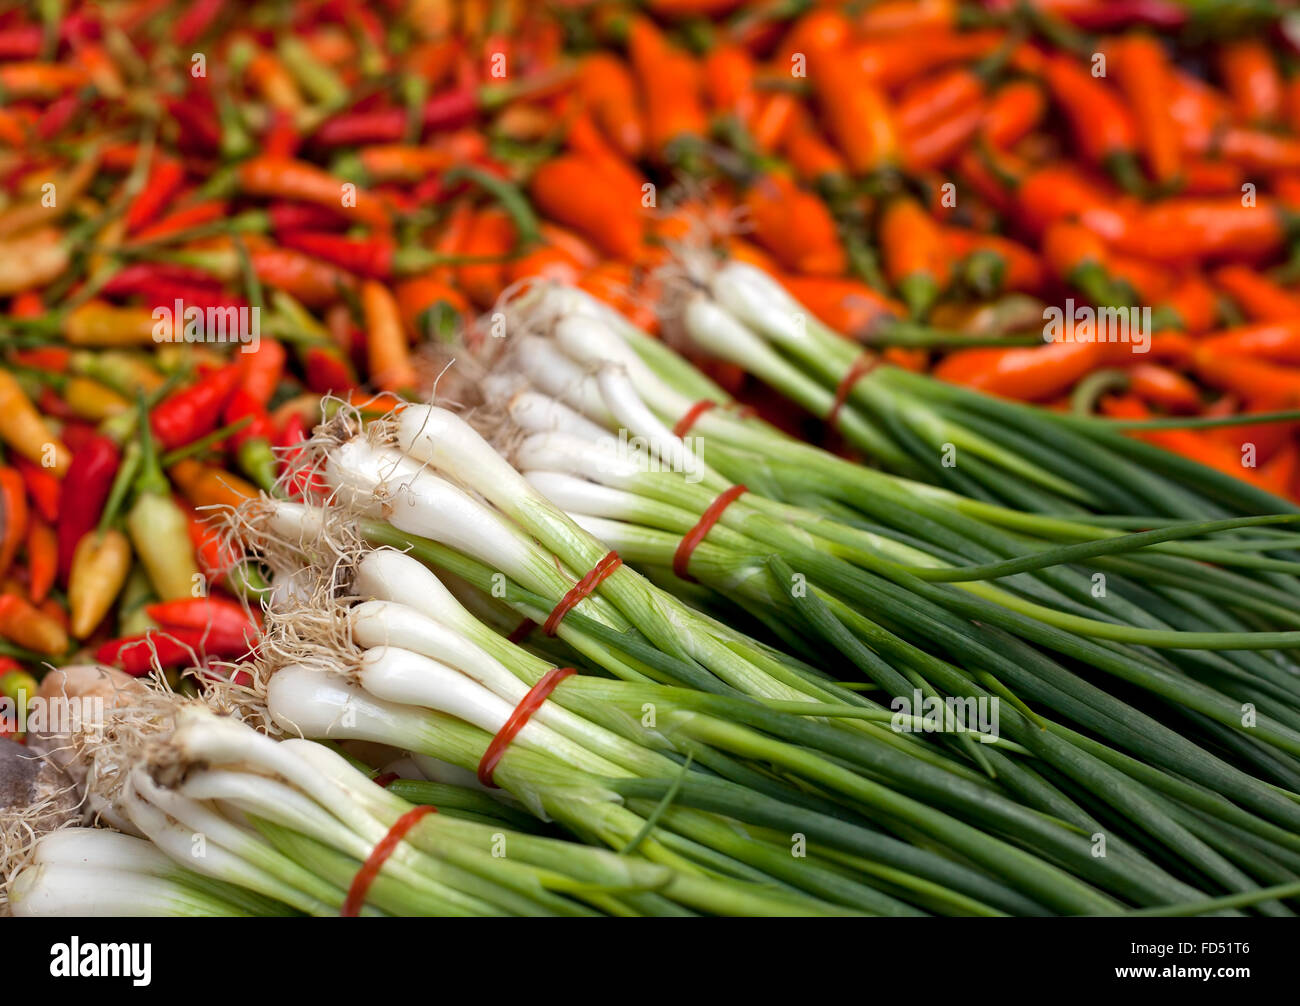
[[900, 535], [1049, 793], [652, 768], [1032, 459], [232, 822]]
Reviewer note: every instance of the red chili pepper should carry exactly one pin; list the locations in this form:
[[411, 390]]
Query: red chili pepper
[[281, 138], [42, 487], [94, 464], [166, 176], [141, 278], [165, 293], [221, 616], [447, 110], [260, 370], [21, 42], [215, 557], [13, 516], [183, 219], [168, 648], [301, 482], [191, 412], [286, 216], [58, 114], [199, 129], [369, 257], [191, 25], [50, 358], [326, 370]]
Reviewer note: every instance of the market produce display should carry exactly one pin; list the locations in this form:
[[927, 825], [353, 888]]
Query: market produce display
[[667, 458]]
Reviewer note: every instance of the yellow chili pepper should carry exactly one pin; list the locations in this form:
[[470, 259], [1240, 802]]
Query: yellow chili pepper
[[96, 323], [91, 400], [100, 565], [24, 430]]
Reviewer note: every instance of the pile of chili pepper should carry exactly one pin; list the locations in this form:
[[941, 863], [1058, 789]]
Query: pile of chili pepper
[[327, 184]]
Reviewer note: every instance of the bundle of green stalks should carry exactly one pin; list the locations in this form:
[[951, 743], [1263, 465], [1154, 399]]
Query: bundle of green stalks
[[219, 819], [878, 668]]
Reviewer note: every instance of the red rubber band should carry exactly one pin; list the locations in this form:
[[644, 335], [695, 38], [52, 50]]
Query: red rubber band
[[386, 780], [528, 705], [862, 366], [711, 516], [692, 416], [521, 631], [581, 590], [384, 848]]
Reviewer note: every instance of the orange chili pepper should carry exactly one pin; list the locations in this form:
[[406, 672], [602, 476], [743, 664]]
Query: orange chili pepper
[[386, 344], [1188, 443], [42, 559], [938, 142], [892, 16], [546, 263], [571, 244], [937, 96], [285, 178], [1192, 298], [30, 627], [1272, 341], [609, 91], [491, 234], [1198, 109], [1203, 177], [1257, 150], [774, 121], [1059, 192], [856, 113], [729, 73], [1251, 79], [846, 305], [916, 258], [795, 226], [1164, 387], [1014, 266], [1190, 229], [1247, 377], [39, 80], [1258, 296], [417, 297], [894, 60], [306, 279], [813, 159], [585, 195], [1102, 125], [1142, 69], [1031, 374], [204, 485], [670, 86], [1013, 111]]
